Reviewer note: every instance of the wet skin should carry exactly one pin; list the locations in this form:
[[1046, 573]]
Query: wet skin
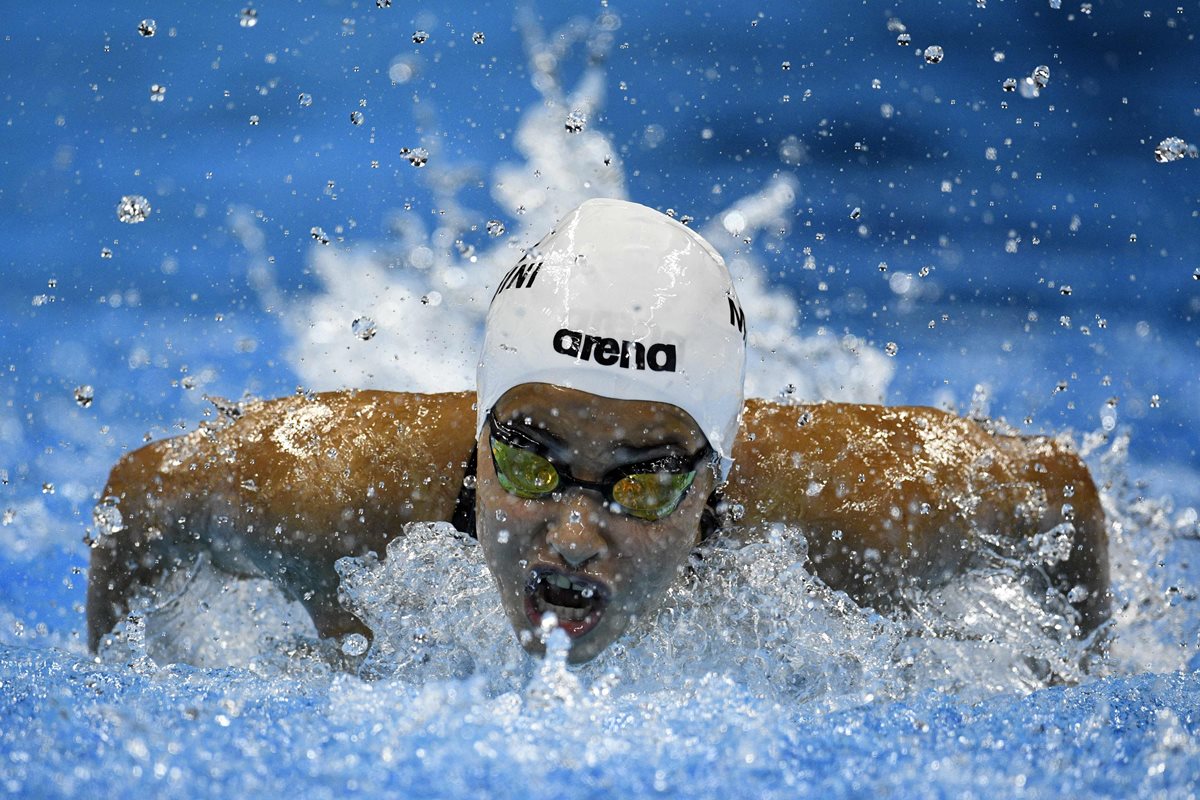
[[886, 497], [626, 562]]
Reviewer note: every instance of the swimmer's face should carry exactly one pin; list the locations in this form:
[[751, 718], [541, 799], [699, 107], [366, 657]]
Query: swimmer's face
[[572, 552]]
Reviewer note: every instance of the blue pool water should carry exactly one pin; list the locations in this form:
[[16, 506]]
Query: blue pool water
[[901, 231]]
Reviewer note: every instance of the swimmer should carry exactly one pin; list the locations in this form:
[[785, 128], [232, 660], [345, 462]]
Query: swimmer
[[607, 438]]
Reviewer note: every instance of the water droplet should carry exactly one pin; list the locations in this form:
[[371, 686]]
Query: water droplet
[[254, 119], [1077, 594], [477, 37], [133, 209], [793, 151], [1196, 274], [1009, 85], [248, 18], [891, 348], [575, 122], [147, 28], [501, 516], [883, 266], [10, 514], [432, 299], [157, 93], [502, 536], [904, 39], [84, 395], [364, 328], [1041, 76], [734, 223], [786, 65], [1065, 290], [1155, 401], [383, 3], [318, 234], [420, 37], [856, 213], [1086, 8], [357, 117], [934, 54], [47, 488], [106, 252], [305, 99], [355, 644], [1056, 4], [495, 227], [1172, 149], [417, 156], [106, 516]]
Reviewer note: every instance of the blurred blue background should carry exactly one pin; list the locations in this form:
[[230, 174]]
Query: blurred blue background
[[1061, 261]]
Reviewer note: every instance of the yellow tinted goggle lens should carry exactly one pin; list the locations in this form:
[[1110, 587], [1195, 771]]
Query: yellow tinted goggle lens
[[524, 473], [651, 495]]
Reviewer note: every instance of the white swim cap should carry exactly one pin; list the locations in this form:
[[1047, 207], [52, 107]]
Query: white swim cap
[[623, 302]]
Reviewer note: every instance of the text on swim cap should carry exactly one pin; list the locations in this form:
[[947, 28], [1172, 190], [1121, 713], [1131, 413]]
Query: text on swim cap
[[613, 353], [737, 317], [521, 276]]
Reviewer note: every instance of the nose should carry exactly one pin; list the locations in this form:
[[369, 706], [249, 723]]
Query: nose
[[574, 534]]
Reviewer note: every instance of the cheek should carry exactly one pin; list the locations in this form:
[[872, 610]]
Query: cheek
[[658, 553], [505, 524]]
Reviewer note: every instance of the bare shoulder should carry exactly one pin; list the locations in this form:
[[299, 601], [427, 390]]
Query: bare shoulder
[[863, 462], [867, 438], [312, 452], [847, 429], [299, 428]]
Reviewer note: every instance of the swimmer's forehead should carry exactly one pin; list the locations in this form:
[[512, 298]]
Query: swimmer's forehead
[[569, 415]]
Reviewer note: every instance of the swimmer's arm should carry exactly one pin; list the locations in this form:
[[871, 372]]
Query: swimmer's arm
[[1069, 495], [853, 478], [283, 492], [907, 485]]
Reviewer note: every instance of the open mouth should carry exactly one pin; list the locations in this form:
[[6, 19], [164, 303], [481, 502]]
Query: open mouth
[[578, 602]]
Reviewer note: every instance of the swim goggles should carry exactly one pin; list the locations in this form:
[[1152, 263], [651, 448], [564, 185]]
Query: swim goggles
[[648, 490]]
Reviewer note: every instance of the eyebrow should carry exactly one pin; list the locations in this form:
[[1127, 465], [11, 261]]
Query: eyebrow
[[627, 453]]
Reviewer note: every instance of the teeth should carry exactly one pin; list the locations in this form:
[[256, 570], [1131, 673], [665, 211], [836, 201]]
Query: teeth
[[561, 581], [566, 612]]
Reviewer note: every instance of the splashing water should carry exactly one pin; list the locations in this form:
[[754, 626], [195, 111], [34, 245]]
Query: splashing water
[[1173, 149], [133, 209], [558, 171]]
